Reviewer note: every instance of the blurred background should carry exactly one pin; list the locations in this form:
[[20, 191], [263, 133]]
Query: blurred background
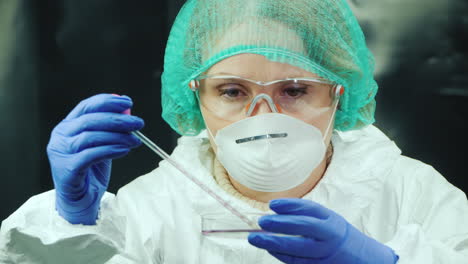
[[55, 53]]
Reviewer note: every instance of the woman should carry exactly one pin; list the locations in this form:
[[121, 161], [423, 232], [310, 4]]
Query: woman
[[255, 88]]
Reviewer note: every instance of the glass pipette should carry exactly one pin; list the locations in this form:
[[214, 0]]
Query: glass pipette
[[161, 153], [150, 144]]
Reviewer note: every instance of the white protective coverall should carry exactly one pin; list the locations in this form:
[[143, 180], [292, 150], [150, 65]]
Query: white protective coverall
[[157, 218]]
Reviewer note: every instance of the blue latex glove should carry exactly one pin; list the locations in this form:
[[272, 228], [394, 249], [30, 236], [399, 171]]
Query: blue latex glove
[[80, 151], [321, 236]]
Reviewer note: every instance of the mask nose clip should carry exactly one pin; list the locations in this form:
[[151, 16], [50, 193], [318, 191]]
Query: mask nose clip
[[251, 107]]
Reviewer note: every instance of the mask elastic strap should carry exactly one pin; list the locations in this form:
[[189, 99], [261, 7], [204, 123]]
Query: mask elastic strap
[[199, 106], [339, 88], [209, 131]]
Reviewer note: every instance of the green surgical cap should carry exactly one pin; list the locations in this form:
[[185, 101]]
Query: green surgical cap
[[319, 36]]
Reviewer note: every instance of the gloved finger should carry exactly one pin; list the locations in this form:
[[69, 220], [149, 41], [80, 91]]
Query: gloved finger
[[87, 157], [295, 206], [90, 139], [101, 103], [110, 122], [301, 225], [293, 246]]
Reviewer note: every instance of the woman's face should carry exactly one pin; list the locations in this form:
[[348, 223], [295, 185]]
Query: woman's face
[[257, 67]]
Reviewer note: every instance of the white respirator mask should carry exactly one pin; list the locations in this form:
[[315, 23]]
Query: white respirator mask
[[271, 152]]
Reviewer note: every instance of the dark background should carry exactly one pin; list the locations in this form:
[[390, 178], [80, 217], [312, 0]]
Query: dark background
[[55, 53]]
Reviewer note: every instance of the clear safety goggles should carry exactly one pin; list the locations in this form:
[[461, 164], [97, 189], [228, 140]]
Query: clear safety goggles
[[233, 98]]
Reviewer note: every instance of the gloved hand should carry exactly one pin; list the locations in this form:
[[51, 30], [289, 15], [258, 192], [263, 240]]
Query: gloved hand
[[321, 236], [80, 151]]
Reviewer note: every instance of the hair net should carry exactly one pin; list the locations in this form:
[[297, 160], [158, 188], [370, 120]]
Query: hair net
[[322, 37]]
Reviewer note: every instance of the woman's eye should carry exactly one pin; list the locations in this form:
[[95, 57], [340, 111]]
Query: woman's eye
[[231, 92], [294, 92]]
